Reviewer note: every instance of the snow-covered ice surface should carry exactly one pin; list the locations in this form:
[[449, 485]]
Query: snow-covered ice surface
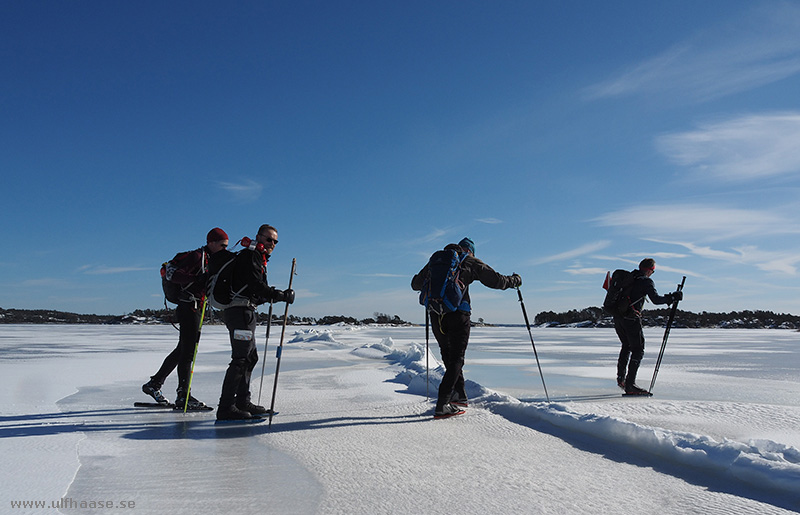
[[355, 434]]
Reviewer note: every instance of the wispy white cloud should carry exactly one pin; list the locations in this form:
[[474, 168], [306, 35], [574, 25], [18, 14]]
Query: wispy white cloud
[[658, 255], [760, 48], [489, 220], [586, 271], [698, 221], [743, 148], [573, 253], [434, 235], [247, 190], [633, 259], [601, 272], [783, 262]]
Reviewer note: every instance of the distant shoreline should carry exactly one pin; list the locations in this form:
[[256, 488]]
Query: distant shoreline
[[585, 318]]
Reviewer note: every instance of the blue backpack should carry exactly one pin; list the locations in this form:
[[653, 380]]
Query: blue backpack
[[443, 292]]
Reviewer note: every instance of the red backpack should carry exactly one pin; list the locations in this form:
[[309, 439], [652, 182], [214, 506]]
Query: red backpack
[[180, 273]]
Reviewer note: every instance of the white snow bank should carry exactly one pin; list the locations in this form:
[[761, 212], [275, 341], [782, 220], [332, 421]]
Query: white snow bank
[[768, 464], [760, 463], [375, 350], [313, 335]]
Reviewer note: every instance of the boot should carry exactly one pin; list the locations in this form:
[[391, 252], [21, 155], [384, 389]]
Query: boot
[[153, 389], [231, 412], [449, 410], [192, 404], [630, 381], [632, 389], [254, 409]]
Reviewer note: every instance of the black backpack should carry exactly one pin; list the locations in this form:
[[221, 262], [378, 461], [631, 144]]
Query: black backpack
[[618, 297], [443, 292], [173, 291], [220, 288]]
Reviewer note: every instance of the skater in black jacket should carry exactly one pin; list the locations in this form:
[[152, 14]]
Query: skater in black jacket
[[629, 326], [249, 278], [188, 313]]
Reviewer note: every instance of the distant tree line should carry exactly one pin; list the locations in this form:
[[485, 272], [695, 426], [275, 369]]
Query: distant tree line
[[587, 317], [167, 316], [595, 317], [48, 316]]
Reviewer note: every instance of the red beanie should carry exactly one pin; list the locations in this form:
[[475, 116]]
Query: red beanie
[[216, 234]]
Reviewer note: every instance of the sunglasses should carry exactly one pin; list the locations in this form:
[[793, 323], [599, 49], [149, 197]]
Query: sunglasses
[[268, 239]]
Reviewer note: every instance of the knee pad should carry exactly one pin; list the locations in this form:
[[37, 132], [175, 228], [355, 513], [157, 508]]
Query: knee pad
[[242, 335]]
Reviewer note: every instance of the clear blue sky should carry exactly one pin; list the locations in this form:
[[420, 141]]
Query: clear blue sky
[[565, 138]]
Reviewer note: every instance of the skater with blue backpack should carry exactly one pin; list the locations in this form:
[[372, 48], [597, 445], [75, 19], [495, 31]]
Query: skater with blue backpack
[[443, 284]]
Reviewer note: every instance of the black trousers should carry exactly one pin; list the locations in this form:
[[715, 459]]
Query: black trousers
[[188, 316], [241, 323], [452, 335], [629, 331]]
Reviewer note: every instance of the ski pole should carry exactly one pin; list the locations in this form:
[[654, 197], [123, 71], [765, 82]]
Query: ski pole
[[528, 324], [666, 335], [264, 360], [194, 358], [280, 348], [427, 338]]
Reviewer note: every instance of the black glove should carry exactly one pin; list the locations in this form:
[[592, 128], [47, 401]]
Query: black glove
[[673, 297], [286, 296], [516, 281]]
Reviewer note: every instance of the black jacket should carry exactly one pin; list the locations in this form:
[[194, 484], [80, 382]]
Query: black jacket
[[643, 287], [250, 277], [472, 269]]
